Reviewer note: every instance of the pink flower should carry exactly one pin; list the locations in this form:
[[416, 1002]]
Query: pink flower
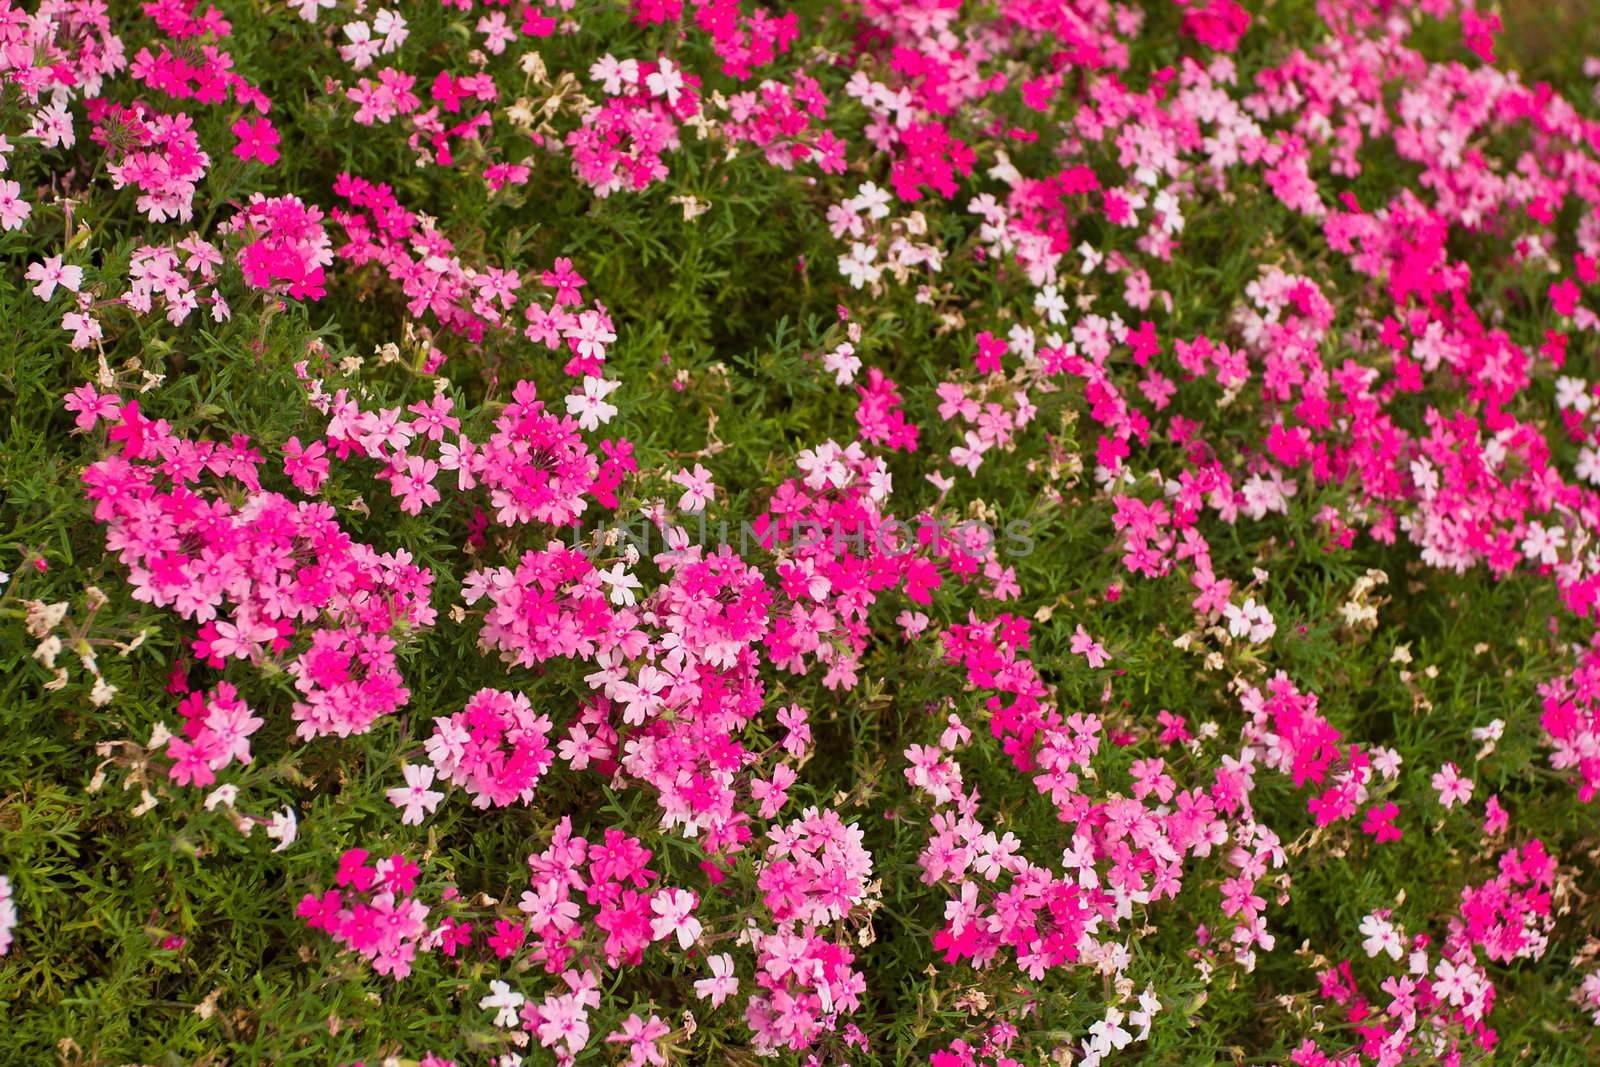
[[1379, 822], [674, 909], [50, 273], [91, 406], [697, 487], [306, 465], [1089, 648], [257, 140], [1217, 24], [722, 984], [228, 725], [641, 1036], [415, 798], [1495, 818], [14, 210], [1452, 788]]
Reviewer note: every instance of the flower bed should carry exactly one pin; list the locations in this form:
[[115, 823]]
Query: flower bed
[[846, 532]]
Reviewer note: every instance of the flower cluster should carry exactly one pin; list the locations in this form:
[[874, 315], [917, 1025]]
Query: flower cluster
[[261, 574], [496, 748], [1009, 477], [376, 914]]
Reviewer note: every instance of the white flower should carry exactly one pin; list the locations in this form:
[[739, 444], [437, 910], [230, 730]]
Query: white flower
[[622, 585], [309, 9], [590, 406], [505, 1001], [415, 797], [283, 828], [1573, 393], [222, 794], [1588, 466], [613, 74], [858, 266], [871, 199], [391, 25], [1051, 304], [843, 362], [1544, 543], [1381, 936], [674, 910], [666, 80]]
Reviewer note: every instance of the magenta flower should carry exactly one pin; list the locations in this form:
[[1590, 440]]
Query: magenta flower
[[257, 140]]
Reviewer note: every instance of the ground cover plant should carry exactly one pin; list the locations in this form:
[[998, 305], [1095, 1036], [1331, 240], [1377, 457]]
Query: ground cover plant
[[846, 532]]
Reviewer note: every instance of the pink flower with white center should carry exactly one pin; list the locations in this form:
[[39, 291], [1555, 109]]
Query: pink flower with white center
[[50, 274], [912, 623], [773, 793], [414, 485], [306, 465], [843, 363], [1455, 982], [579, 747], [842, 220], [462, 458], [14, 210], [496, 32], [1090, 649], [697, 486], [85, 328], [415, 798], [970, 455], [614, 74], [823, 467], [1452, 788], [257, 138], [549, 908], [1386, 761], [230, 723], [798, 736], [562, 1020], [242, 640], [91, 406], [674, 909], [641, 1036], [722, 984], [53, 126], [378, 431], [433, 419], [590, 335]]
